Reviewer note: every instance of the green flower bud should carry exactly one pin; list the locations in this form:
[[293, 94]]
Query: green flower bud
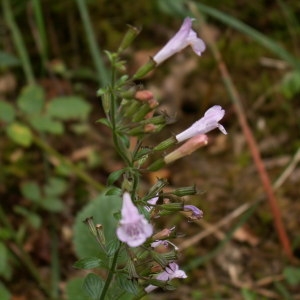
[[129, 37], [185, 191]]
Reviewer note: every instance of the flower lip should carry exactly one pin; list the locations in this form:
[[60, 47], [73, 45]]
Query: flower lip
[[184, 37], [134, 229], [207, 123]]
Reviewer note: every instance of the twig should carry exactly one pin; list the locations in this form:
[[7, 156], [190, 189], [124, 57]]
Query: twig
[[235, 97]]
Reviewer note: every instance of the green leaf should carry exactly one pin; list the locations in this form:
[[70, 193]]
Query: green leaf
[[68, 108], [8, 60], [31, 217], [126, 284], [19, 133], [7, 112], [93, 285], [31, 100], [31, 191], [4, 293], [75, 291], [248, 295], [46, 124], [290, 85], [4, 258], [292, 275], [52, 204], [88, 263], [56, 186], [102, 209], [114, 176]]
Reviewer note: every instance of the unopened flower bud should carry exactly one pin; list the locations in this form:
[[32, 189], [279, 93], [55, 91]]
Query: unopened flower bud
[[144, 95], [196, 212], [150, 128], [187, 148], [164, 234]]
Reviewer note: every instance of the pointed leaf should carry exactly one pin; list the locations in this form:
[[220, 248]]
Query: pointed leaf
[[75, 291], [93, 285], [88, 263]]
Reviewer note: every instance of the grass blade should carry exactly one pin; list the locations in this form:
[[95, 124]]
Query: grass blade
[[94, 49], [256, 35]]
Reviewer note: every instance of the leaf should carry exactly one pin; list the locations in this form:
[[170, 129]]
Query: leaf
[[31, 191], [8, 60], [292, 275], [19, 133], [102, 209], [52, 204], [31, 217], [4, 258], [7, 112], [88, 263], [68, 108], [93, 285], [55, 187], [46, 124], [31, 100], [4, 293], [126, 284], [75, 291], [114, 176], [290, 84]]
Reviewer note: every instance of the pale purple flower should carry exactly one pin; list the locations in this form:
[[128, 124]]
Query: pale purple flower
[[134, 229], [207, 123], [172, 271], [186, 36], [164, 243], [196, 212], [152, 202]]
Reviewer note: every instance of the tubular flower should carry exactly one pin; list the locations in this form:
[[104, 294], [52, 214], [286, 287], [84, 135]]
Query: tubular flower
[[196, 212], [187, 148], [172, 271], [186, 36], [207, 123], [134, 229]]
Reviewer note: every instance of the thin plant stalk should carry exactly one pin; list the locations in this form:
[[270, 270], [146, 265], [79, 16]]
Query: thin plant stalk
[[234, 96], [18, 41], [42, 36], [92, 43]]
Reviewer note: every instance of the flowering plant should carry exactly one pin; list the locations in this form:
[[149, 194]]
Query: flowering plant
[[129, 253]]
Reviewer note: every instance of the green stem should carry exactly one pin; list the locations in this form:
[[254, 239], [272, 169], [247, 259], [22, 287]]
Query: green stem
[[77, 171], [18, 41], [110, 274], [42, 42], [94, 49]]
